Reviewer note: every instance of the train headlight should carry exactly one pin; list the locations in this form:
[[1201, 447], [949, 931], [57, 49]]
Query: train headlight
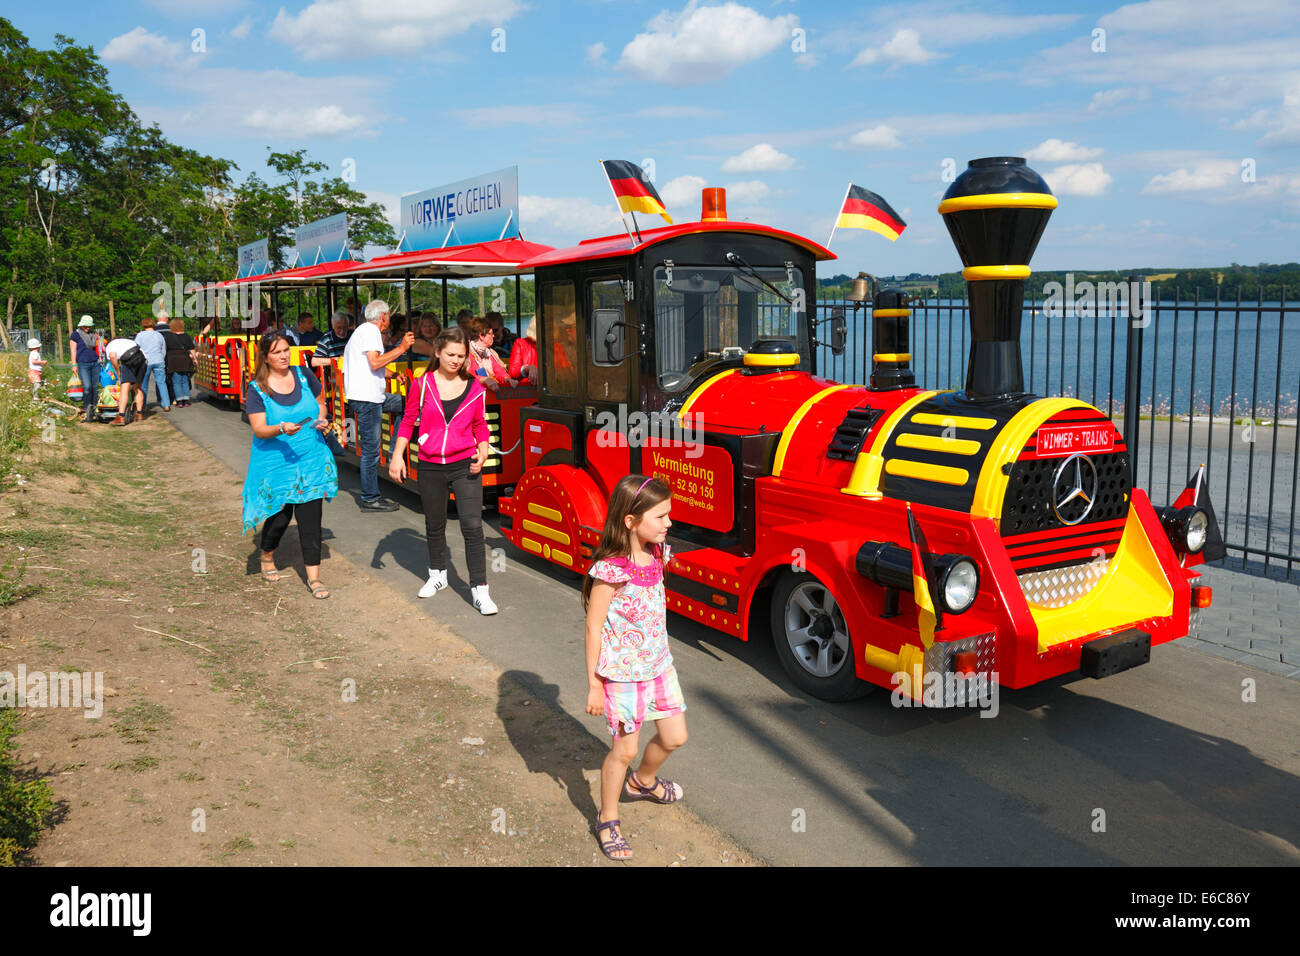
[[959, 581], [1187, 528]]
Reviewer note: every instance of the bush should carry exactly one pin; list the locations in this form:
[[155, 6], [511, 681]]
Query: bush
[[25, 807]]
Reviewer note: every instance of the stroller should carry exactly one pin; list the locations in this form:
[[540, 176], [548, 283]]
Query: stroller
[[110, 390]]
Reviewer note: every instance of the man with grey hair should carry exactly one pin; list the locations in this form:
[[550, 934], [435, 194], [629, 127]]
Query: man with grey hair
[[364, 362], [334, 341]]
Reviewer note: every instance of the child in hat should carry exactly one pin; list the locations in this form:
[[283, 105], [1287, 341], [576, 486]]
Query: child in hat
[[34, 364]]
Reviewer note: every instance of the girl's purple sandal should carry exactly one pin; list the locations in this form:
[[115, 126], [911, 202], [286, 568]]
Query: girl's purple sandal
[[615, 843], [672, 791]]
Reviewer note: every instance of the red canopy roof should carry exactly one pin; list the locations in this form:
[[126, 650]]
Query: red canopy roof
[[620, 245]]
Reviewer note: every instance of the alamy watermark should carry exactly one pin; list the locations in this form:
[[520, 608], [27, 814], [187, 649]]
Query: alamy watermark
[[947, 690], [197, 300], [79, 689], [1087, 299], [637, 429]]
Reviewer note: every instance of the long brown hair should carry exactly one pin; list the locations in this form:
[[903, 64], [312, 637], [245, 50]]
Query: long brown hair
[[263, 353], [633, 495], [449, 336]]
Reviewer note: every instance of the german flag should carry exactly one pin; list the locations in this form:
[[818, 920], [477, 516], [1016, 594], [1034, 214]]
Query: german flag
[[928, 617], [634, 192], [863, 209]]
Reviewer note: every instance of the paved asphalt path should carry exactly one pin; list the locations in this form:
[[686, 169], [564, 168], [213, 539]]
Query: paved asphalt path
[[1161, 765]]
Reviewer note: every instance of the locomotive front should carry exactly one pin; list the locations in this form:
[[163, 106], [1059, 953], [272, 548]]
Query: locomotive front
[[1042, 558]]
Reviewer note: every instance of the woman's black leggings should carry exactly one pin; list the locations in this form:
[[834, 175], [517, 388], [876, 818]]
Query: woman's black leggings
[[309, 515], [435, 481]]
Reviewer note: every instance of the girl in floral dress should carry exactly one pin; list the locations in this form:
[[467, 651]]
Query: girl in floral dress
[[630, 673]]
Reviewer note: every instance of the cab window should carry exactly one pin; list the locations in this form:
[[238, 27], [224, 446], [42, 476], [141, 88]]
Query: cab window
[[608, 380], [560, 322]]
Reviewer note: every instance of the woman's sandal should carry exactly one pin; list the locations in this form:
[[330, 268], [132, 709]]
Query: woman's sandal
[[319, 591], [269, 574], [672, 791], [615, 843]]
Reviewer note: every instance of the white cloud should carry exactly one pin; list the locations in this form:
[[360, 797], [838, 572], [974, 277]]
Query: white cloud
[[677, 111], [1082, 179], [1108, 99], [682, 192], [747, 192], [806, 61], [1059, 151], [392, 204], [319, 121], [1207, 17], [1206, 175], [701, 44], [141, 48], [535, 114], [596, 54], [947, 27], [904, 47], [347, 29], [242, 29], [1282, 123], [559, 220], [223, 102], [762, 158], [877, 137]]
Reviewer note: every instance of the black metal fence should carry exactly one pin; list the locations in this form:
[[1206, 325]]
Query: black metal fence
[[1219, 382]]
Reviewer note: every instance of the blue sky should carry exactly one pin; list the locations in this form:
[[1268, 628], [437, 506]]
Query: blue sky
[[1169, 129]]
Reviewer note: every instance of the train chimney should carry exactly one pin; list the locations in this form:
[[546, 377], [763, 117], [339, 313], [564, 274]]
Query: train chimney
[[996, 211], [890, 331]]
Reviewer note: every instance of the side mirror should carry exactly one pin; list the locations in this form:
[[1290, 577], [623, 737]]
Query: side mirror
[[608, 340], [839, 331]]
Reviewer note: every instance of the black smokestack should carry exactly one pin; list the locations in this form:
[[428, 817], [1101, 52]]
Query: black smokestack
[[996, 211]]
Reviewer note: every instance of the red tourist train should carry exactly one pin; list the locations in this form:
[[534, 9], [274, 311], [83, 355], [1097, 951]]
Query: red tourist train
[[688, 353]]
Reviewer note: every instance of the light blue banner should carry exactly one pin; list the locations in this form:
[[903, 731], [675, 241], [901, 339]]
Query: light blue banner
[[483, 208], [325, 240], [254, 259]]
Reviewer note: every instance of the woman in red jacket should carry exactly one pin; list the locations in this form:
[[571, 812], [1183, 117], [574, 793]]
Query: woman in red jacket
[[523, 355], [448, 405]]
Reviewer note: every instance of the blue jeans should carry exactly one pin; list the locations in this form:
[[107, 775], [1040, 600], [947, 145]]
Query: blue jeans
[[369, 428], [158, 373], [88, 372], [180, 386]]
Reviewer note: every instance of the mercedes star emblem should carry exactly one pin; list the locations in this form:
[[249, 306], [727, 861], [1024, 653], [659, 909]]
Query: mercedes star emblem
[[1074, 489]]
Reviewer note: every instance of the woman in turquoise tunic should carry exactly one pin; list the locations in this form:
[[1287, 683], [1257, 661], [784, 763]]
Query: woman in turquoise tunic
[[290, 469]]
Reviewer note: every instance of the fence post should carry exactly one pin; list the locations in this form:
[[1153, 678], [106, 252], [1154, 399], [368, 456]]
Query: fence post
[[31, 329], [1132, 371], [112, 326]]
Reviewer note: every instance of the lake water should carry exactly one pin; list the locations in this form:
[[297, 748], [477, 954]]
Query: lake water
[[1244, 358]]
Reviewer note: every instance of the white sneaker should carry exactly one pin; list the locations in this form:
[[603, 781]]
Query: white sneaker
[[437, 581], [481, 600]]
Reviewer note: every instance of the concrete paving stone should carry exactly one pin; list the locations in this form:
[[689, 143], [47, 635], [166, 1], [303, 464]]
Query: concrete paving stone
[[1291, 656], [1265, 645], [1276, 667]]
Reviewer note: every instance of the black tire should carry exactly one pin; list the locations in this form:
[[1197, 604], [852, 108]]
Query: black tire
[[814, 647]]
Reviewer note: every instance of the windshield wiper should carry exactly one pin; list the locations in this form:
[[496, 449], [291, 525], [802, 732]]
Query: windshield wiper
[[753, 274]]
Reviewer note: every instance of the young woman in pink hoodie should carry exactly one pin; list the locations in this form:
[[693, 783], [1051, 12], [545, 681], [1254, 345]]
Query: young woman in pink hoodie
[[447, 405]]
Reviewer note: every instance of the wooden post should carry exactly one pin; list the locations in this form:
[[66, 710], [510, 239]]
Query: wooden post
[[58, 339], [30, 329], [112, 326], [480, 300]]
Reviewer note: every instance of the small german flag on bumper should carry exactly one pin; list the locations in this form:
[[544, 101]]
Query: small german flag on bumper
[[634, 192], [863, 209]]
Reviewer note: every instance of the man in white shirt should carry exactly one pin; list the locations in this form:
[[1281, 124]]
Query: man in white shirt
[[364, 361], [130, 373]]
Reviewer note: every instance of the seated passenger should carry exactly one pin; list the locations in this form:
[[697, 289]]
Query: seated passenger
[[426, 330], [523, 355], [332, 344], [484, 362]]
